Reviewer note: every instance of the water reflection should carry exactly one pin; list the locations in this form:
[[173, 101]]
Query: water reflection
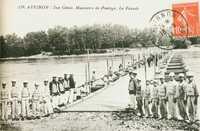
[[33, 70]]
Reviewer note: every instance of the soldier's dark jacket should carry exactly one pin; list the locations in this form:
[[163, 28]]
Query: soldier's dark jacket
[[132, 86]]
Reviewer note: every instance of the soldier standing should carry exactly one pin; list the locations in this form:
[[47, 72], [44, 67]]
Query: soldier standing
[[154, 99], [94, 76], [54, 92], [110, 73], [66, 87], [181, 96], [36, 99], [192, 95], [25, 96], [171, 91], [61, 92], [4, 102], [132, 89], [47, 105], [72, 88], [120, 68], [162, 94], [139, 98], [147, 96], [15, 99]]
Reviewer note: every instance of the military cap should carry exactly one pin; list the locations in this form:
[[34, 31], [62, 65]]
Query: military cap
[[45, 80], [189, 74], [181, 75], [171, 74], [13, 81], [3, 83], [25, 82], [36, 84], [161, 77]]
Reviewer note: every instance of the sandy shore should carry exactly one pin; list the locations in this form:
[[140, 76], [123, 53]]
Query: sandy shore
[[100, 121]]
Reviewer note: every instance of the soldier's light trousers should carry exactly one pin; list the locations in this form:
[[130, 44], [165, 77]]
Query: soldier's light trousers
[[55, 101], [190, 107], [139, 105], [154, 108], [36, 108], [71, 97], [133, 101], [4, 111], [61, 99], [163, 108], [25, 107], [147, 107], [182, 108], [67, 94], [171, 107], [47, 106], [15, 108]]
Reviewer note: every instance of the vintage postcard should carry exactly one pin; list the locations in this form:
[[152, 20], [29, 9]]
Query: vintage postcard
[[99, 65]]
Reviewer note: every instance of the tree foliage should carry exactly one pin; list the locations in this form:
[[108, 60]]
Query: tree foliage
[[76, 40]]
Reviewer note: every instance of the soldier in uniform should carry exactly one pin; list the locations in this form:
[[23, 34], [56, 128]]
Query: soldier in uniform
[[171, 91], [162, 94], [94, 76], [4, 101], [132, 89], [181, 96], [147, 96], [139, 98], [54, 92], [15, 101], [72, 88], [36, 99], [61, 92], [154, 99], [66, 87], [47, 105], [129, 66], [110, 71], [192, 95], [120, 68], [25, 98]]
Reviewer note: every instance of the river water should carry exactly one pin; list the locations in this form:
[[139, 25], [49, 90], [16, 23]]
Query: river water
[[37, 70]]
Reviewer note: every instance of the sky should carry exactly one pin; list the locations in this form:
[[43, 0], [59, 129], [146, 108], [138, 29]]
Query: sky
[[21, 21]]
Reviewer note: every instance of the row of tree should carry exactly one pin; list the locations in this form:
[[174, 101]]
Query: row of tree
[[76, 40]]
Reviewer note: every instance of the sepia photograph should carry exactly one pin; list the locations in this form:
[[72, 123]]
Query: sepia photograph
[[117, 65]]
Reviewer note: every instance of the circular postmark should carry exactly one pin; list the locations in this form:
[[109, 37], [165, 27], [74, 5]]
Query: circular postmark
[[167, 26]]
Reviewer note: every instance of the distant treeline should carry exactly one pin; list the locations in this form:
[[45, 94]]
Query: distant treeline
[[75, 40]]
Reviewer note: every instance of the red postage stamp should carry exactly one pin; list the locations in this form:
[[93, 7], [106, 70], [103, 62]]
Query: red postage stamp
[[190, 13]]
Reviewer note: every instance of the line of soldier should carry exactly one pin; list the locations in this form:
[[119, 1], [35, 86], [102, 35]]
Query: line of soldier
[[164, 99], [43, 101]]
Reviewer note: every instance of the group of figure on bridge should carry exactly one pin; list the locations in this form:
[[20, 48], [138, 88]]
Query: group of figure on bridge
[[44, 100], [166, 98]]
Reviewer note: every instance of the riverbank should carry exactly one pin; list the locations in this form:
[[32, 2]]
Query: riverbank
[[109, 53]]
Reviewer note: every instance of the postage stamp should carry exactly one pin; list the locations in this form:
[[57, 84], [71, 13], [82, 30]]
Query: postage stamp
[[190, 12]]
